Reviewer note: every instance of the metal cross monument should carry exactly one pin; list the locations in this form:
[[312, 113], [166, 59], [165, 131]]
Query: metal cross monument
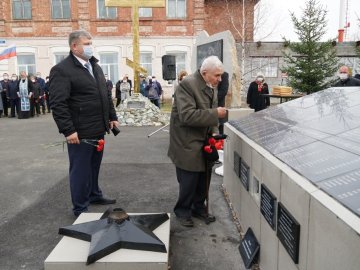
[[135, 5]]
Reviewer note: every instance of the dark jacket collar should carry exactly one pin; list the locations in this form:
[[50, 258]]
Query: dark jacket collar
[[93, 60]]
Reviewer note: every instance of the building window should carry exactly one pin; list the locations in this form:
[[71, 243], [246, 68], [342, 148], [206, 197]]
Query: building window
[[60, 56], [109, 64], [104, 12], [21, 9], [146, 61], [26, 62], [180, 61], [176, 8], [60, 9], [266, 65], [145, 12]]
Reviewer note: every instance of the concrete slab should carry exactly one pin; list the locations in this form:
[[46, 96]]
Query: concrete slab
[[71, 253]]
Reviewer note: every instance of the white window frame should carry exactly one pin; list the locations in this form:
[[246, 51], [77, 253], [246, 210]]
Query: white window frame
[[62, 4], [23, 6], [145, 12], [63, 55], [29, 68], [111, 69], [146, 65], [173, 9], [107, 10], [269, 66]]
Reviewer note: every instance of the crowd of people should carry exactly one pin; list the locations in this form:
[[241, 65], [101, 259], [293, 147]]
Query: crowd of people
[[24, 96], [258, 90], [149, 88]]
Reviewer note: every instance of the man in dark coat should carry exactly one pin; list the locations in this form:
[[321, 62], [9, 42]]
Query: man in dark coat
[[223, 88], [13, 95], [345, 78], [194, 116], [4, 93], [83, 110], [255, 97]]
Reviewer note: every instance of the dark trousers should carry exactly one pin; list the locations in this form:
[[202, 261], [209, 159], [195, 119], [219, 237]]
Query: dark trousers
[[5, 104], [14, 105], [156, 102], [34, 107], [84, 170], [192, 193], [118, 100], [42, 104]]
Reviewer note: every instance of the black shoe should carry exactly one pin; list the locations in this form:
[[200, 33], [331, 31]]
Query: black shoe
[[104, 201], [76, 214], [207, 218], [186, 222]]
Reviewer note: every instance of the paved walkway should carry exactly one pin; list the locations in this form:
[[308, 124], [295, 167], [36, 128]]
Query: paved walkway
[[35, 199]]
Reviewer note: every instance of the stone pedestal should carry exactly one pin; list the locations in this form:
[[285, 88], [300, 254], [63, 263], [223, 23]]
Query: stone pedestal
[[71, 254]]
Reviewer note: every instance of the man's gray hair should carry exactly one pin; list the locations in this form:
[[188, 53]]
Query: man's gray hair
[[211, 63], [76, 35]]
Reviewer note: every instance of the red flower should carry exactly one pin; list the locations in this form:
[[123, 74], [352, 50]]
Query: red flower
[[212, 141], [207, 149]]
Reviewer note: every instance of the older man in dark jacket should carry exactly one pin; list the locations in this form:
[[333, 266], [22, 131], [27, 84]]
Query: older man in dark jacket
[[194, 115], [83, 110]]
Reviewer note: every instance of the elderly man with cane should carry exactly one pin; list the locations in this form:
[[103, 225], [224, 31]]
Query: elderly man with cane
[[194, 117]]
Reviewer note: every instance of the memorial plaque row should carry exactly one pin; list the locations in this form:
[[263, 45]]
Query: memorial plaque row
[[242, 170], [288, 229]]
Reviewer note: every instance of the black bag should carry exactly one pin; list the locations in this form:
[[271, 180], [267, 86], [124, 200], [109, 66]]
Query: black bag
[[153, 94]]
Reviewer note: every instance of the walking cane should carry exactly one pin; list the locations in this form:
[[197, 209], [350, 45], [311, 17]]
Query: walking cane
[[207, 179]]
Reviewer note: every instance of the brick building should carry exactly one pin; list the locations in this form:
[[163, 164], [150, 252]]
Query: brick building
[[39, 29]]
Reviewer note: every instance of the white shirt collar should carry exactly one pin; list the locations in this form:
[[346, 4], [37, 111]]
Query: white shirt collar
[[82, 61]]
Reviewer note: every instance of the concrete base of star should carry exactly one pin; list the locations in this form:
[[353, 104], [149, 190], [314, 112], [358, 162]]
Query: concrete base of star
[[71, 253]]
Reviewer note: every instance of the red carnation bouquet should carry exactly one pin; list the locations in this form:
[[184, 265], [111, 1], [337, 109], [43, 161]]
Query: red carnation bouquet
[[99, 144], [212, 145]]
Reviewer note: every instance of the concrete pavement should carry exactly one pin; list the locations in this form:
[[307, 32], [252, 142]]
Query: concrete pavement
[[35, 198]]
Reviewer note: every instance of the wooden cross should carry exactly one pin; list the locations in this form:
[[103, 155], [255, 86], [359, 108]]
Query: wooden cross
[[135, 5]]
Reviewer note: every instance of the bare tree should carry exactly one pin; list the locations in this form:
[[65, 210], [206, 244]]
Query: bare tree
[[241, 27]]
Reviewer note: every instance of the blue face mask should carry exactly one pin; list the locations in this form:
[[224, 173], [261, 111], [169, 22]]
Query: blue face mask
[[88, 51]]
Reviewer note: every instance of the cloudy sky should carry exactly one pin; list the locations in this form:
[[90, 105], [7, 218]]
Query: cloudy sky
[[278, 21]]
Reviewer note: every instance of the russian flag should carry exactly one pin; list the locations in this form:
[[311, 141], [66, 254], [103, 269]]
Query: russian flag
[[8, 52]]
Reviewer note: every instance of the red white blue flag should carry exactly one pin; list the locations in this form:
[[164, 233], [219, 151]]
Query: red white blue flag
[[8, 52]]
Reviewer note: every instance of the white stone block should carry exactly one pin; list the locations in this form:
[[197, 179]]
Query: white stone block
[[332, 243], [269, 245], [71, 253]]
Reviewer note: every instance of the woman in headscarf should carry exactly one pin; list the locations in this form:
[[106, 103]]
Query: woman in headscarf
[[255, 97]]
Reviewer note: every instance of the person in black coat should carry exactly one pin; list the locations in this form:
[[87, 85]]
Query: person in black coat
[[223, 88], [254, 96], [345, 78], [83, 111], [35, 99], [13, 95]]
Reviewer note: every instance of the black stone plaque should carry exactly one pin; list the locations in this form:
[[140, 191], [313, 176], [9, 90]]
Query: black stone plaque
[[237, 160], [134, 104], [268, 206], [249, 248], [244, 174], [288, 232]]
